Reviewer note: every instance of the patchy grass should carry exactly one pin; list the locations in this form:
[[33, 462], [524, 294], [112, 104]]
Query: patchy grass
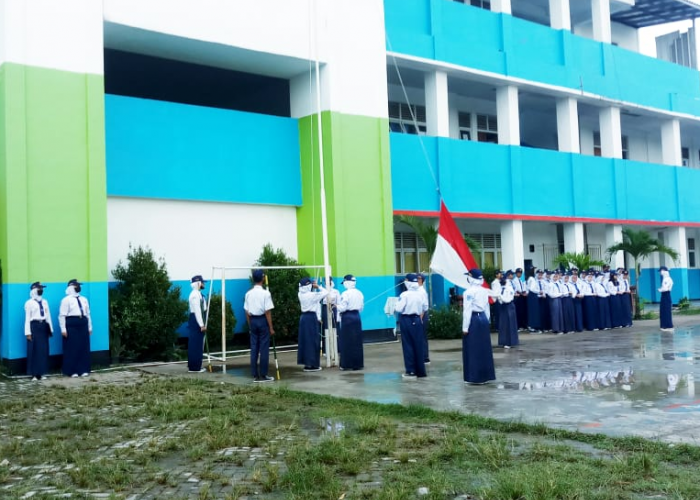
[[690, 311], [182, 438]]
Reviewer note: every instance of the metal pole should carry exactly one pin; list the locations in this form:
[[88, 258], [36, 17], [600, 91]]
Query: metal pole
[[223, 318]]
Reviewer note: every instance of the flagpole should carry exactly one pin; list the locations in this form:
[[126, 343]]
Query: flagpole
[[330, 356]]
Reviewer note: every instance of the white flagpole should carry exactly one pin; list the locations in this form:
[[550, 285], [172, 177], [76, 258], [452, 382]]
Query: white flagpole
[[330, 356]]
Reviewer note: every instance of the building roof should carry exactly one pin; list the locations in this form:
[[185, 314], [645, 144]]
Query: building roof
[[652, 12]]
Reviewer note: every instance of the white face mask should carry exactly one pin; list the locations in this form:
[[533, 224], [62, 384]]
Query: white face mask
[[305, 288], [350, 285]]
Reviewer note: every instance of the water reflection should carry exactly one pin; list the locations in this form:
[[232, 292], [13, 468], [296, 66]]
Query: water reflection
[[579, 381]]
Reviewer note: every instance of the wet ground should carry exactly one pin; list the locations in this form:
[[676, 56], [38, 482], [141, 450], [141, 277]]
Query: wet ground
[[638, 381]]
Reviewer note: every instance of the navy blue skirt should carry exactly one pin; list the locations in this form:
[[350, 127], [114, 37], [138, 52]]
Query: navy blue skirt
[[604, 313], [309, 353], [590, 312], [578, 314], [352, 356], [477, 355], [76, 347], [533, 312], [38, 349], [568, 314], [665, 317], [508, 325]]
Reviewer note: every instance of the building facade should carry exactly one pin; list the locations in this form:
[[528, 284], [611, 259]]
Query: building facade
[[198, 128]]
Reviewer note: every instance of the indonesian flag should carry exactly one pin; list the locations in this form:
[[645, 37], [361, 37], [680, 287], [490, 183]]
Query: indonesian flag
[[452, 258]]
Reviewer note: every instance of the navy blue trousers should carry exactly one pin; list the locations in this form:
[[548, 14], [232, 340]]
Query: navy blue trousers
[[590, 312], [309, 353], [76, 347], [195, 345], [626, 303], [477, 355], [545, 314], [324, 323], [521, 305], [352, 356], [578, 314], [615, 311], [665, 317], [507, 325], [412, 344], [38, 349], [259, 346], [533, 312]]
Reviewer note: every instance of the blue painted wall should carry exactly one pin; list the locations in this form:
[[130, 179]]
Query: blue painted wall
[[686, 283], [375, 289], [538, 182], [452, 32], [13, 344], [158, 149]]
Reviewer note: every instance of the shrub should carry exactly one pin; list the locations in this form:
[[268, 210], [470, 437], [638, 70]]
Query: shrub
[[445, 323], [684, 304], [145, 310], [283, 285], [214, 323]]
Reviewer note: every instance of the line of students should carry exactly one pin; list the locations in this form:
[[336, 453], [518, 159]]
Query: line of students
[[563, 302], [76, 328]]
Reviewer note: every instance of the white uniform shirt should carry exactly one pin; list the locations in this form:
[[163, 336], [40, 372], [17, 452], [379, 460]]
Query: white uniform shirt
[[537, 286], [412, 302], [70, 307], [576, 288], [196, 306], [421, 290], [496, 286], [611, 288], [601, 290], [32, 312], [589, 288], [519, 286], [309, 300], [556, 289], [666, 284], [257, 301], [507, 293], [624, 286], [351, 300], [475, 299]]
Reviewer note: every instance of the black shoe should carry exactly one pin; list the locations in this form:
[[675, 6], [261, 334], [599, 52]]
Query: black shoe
[[266, 378]]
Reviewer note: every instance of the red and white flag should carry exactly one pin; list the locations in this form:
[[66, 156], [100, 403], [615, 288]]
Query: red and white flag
[[452, 257]]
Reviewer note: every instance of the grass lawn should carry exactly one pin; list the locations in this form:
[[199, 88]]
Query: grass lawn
[[180, 438]]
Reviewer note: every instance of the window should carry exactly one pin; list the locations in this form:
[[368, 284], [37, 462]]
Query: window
[[401, 118], [598, 150], [483, 4], [465, 126], [490, 253], [487, 128], [685, 155], [691, 252], [411, 253]]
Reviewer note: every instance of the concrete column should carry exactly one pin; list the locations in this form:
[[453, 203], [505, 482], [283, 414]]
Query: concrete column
[[567, 124], [437, 109], [671, 143], [512, 244], [508, 115], [560, 14], [611, 133], [574, 238], [600, 10], [613, 234], [501, 6], [676, 239]]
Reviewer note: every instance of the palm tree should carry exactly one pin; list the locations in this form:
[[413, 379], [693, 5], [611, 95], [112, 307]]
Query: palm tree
[[640, 244], [580, 260]]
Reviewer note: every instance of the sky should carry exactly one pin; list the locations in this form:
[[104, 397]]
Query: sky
[[647, 36]]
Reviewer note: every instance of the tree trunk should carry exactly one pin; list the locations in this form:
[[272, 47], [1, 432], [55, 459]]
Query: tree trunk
[[637, 299]]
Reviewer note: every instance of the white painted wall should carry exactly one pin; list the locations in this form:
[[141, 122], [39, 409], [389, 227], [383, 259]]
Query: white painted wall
[[65, 35], [538, 234], [194, 236]]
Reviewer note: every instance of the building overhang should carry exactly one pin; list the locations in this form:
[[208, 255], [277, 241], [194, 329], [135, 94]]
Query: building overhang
[[645, 13]]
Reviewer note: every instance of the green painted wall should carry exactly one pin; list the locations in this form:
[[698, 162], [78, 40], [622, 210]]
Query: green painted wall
[[358, 189], [54, 215]]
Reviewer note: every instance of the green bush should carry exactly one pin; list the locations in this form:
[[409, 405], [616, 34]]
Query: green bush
[[284, 286], [214, 323], [145, 310], [445, 323], [684, 304]]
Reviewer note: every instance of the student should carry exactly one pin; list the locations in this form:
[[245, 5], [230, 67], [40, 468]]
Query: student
[[477, 354], [76, 329], [309, 351], [665, 319], [195, 326], [507, 322], [520, 299], [535, 293], [258, 312], [37, 329], [577, 295], [555, 291], [350, 305], [590, 303], [412, 306]]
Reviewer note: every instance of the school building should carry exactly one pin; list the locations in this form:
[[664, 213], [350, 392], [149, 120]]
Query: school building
[[192, 128]]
